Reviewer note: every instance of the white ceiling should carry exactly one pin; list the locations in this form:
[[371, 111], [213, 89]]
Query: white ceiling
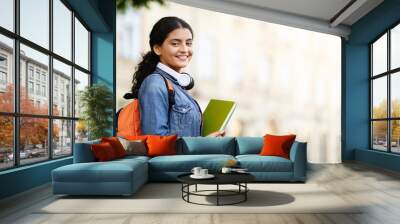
[[315, 15], [321, 9]]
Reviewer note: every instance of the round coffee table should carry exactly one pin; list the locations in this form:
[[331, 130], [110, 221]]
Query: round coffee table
[[238, 179]]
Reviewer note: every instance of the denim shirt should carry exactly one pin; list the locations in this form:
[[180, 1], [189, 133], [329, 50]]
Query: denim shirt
[[184, 117]]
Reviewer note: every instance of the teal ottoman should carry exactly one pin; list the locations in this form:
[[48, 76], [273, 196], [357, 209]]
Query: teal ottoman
[[118, 177]]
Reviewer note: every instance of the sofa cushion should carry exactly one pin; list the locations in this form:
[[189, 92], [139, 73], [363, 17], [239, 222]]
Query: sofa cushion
[[111, 171], [131, 158], [142, 138], [185, 163], [249, 145], [161, 145], [103, 152], [257, 163], [116, 145], [275, 145], [133, 147], [83, 152], [206, 145]]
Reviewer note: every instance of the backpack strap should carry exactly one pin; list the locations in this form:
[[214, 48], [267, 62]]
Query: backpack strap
[[171, 92]]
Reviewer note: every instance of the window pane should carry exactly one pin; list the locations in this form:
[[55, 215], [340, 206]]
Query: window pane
[[6, 74], [395, 94], [81, 45], [35, 21], [81, 81], [395, 47], [379, 55], [6, 142], [379, 100], [62, 29], [7, 14], [81, 131], [62, 89], [33, 139], [395, 129], [62, 138], [34, 79], [379, 135]]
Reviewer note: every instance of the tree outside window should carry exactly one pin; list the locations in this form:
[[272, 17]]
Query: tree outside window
[[385, 92]]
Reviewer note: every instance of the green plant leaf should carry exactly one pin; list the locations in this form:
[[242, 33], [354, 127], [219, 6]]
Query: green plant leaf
[[123, 5], [96, 102]]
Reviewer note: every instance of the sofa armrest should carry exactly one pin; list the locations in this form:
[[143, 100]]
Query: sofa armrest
[[298, 155], [83, 152]]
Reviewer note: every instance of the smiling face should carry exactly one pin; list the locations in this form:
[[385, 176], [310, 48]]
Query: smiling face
[[176, 50]]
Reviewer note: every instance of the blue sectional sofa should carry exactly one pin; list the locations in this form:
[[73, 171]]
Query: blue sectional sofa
[[125, 176]]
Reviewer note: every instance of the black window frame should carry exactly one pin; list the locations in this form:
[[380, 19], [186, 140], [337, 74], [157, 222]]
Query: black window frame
[[16, 115], [388, 74]]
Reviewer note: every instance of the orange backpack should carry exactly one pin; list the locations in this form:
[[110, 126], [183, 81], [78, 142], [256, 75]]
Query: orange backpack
[[128, 117]]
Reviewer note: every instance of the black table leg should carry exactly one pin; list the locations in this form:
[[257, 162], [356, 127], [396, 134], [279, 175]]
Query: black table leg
[[188, 189], [217, 194], [245, 193], [185, 188]]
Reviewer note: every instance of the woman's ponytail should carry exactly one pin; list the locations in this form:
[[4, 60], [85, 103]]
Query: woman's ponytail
[[144, 68]]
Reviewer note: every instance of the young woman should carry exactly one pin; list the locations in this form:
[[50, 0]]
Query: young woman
[[171, 51]]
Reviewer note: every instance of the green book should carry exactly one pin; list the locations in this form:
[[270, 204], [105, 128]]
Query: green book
[[216, 115]]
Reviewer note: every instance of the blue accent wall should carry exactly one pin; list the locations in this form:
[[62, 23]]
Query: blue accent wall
[[357, 99], [356, 85], [100, 17], [102, 59], [104, 53], [377, 158]]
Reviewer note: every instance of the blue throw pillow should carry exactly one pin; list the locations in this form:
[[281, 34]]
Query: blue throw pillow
[[249, 145]]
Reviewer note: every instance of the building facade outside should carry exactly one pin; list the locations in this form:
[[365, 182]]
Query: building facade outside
[[52, 52], [34, 82]]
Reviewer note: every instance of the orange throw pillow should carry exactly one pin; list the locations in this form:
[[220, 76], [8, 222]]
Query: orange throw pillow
[[116, 145], [103, 151], [277, 145], [161, 145]]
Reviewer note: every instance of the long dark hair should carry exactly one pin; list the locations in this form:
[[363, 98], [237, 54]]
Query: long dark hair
[[158, 34]]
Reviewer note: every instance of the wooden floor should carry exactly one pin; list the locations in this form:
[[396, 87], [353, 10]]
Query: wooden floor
[[377, 188]]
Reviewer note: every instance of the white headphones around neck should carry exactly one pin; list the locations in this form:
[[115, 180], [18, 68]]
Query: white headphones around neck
[[184, 79]]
